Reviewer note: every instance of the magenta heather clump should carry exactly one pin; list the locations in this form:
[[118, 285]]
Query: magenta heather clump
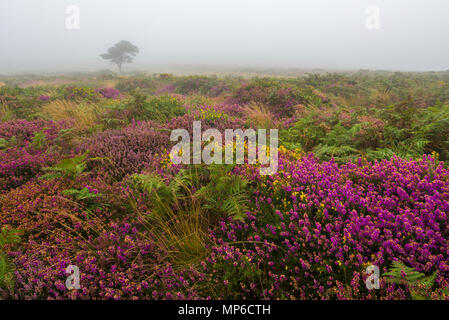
[[128, 150], [43, 98], [109, 93], [22, 160], [328, 223]]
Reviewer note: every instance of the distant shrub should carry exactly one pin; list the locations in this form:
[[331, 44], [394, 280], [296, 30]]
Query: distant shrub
[[43, 98], [108, 93], [85, 93], [199, 85], [163, 108], [128, 85], [278, 97]]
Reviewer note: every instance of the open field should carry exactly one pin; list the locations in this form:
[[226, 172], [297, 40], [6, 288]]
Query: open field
[[86, 179]]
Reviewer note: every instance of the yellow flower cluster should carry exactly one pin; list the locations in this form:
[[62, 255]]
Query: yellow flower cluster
[[166, 159], [212, 114], [295, 154], [83, 91], [173, 100]]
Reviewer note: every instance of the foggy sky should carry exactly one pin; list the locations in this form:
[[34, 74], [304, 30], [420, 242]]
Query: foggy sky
[[308, 34]]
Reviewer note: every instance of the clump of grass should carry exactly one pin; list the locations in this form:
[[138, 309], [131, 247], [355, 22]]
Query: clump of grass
[[6, 113], [259, 115], [109, 83], [183, 209], [84, 115], [178, 226]]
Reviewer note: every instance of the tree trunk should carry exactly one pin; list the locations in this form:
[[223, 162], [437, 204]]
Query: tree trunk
[[121, 60]]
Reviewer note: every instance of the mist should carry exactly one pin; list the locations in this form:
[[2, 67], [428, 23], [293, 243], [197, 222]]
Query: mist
[[326, 34]]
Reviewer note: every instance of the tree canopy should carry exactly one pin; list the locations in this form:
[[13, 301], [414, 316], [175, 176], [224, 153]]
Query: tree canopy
[[122, 52]]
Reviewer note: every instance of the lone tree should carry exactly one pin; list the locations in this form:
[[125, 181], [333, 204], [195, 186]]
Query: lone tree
[[122, 52]]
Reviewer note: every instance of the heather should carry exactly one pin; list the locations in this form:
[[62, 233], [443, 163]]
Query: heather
[[328, 222], [86, 179], [27, 146]]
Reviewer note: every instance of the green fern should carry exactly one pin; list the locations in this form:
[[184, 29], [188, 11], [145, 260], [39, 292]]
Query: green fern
[[70, 168], [418, 283], [219, 192], [5, 144], [379, 153], [163, 195], [340, 153], [7, 236], [39, 139], [224, 194], [89, 198]]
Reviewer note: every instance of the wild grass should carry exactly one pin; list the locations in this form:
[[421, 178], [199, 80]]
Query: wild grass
[[259, 115], [109, 83], [178, 226], [6, 113], [85, 115]]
